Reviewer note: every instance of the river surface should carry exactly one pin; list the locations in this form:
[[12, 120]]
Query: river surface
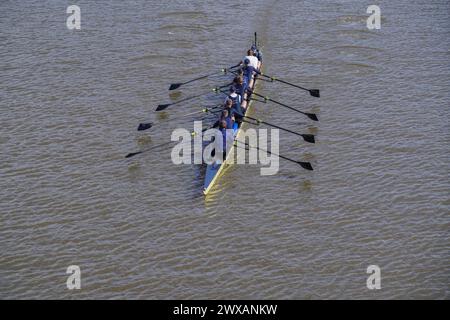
[[140, 228]]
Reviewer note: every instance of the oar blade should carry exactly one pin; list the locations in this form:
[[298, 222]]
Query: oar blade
[[312, 116], [162, 106], [309, 138], [306, 165], [174, 86], [315, 93], [132, 154], [144, 126]]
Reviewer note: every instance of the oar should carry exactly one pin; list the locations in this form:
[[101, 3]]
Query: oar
[[132, 154], [248, 99], [307, 137], [164, 106], [174, 86], [304, 165], [148, 125], [312, 116], [139, 152], [313, 92], [266, 80]]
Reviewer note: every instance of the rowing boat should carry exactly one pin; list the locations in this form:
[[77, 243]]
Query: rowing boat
[[215, 170]]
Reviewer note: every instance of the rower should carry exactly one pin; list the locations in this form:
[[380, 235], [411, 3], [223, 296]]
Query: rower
[[235, 98], [249, 73], [258, 55], [225, 116], [233, 103], [228, 118], [228, 105], [241, 89], [238, 84], [252, 58]]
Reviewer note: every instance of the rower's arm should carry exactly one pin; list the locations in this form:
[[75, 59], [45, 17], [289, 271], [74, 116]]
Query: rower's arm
[[238, 65]]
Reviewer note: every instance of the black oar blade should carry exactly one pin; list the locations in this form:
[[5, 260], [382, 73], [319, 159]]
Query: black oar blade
[[315, 93], [305, 165], [309, 138], [174, 86], [144, 126], [312, 116], [132, 154], [162, 107]]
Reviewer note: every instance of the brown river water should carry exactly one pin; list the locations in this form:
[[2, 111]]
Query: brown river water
[[71, 101]]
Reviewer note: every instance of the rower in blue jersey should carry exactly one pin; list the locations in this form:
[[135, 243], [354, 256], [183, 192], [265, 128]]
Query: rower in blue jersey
[[225, 116], [242, 90], [238, 84], [249, 73], [228, 119], [235, 99], [233, 104]]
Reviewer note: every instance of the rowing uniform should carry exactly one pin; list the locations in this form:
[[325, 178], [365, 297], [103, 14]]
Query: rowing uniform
[[240, 88], [253, 61], [235, 98], [249, 73], [236, 106], [228, 120]]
